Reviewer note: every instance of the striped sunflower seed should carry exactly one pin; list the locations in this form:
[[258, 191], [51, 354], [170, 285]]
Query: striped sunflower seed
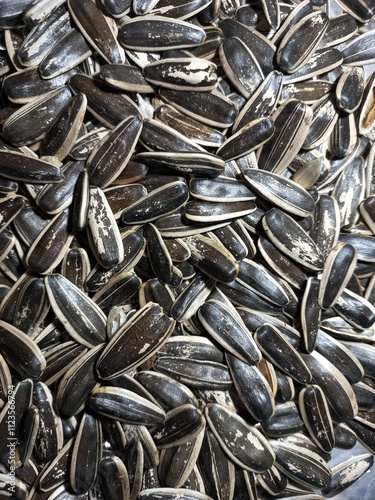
[[182, 74], [96, 28], [255, 454], [85, 322], [153, 33], [126, 406], [157, 327], [292, 52], [285, 233], [86, 453]]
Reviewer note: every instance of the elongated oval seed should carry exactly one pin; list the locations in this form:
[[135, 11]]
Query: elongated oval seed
[[291, 239], [130, 348], [278, 350], [247, 139], [228, 331], [126, 406], [103, 230], [79, 314], [300, 42], [253, 453], [96, 29], [280, 191], [182, 74], [154, 33]]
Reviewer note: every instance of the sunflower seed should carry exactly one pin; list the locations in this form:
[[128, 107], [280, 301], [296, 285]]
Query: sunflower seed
[[321, 62], [195, 347], [310, 313], [168, 392], [201, 164], [195, 373], [49, 439], [155, 33], [316, 416], [38, 42], [253, 39], [291, 239], [114, 477], [336, 387], [156, 327], [355, 309], [365, 395], [340, 29], [49, 248], [85, 322], [285, 420], [228, 331], [172, 494], [104, 235], [24, 126], [255, 454], [292, 54], [252, 387], [96, 29], [277, 153], [262, 102], [258, 279], [182, 74], [27, 84], [211, 108], [281, 353], [17, 345], [157, 203], [241, 66], [110, 108], [247, 139], [303, 466], [362, 11], [126, 406], [217, 471], [212, 258], [346, 473], [181, 425], [349, 89], [280, 191], [345, 438], [180, 9]]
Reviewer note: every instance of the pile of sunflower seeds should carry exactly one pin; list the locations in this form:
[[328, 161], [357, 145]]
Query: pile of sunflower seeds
[[187, 248]]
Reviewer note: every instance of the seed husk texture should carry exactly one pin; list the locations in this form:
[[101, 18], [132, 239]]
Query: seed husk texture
[[187, 249]]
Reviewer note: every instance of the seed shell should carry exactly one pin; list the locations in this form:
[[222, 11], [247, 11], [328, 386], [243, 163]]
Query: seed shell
[[280, 191], [252, 387], [38, 41], [126, 406], [154, 33], [79, 314], [291, 239], [96, 29], [228, 331], [292, 53], [156, 328], [182, 74], [241, 66], [255, 454], [86, 453], [247, 139], [316, 416], [112, 153], [304, 466], [281, 353], [277, 153], [195, 373]]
